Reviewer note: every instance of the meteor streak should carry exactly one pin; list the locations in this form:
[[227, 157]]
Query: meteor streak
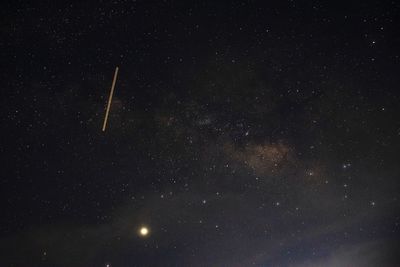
[[110, 99]]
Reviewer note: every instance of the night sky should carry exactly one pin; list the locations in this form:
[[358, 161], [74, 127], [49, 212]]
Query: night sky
[[241, 133]]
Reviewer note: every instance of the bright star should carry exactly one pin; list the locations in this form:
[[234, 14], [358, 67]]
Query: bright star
[[144, 231]]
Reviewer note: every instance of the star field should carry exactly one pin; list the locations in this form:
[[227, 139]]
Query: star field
[[241, 133]]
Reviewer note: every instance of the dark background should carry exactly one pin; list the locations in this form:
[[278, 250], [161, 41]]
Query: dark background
[[241, 133]]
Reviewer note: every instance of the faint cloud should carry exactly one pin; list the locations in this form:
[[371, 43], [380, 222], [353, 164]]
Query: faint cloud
[[363, 254]]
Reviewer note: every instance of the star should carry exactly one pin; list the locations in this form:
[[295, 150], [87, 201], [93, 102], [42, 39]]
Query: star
[[144, 231], [346, 165]]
